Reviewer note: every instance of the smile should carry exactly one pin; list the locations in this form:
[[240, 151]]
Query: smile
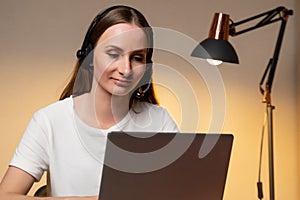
[[122, 82]]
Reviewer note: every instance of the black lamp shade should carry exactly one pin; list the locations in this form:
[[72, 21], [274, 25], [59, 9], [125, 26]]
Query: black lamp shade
[[217, 50]]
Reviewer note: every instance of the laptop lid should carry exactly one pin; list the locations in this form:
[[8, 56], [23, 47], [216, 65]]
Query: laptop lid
[[162, 166]]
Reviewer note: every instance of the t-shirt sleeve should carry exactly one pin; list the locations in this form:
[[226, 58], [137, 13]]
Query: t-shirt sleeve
[[32, 152]]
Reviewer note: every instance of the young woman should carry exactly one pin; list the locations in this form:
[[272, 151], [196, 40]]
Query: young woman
[[110, 90]]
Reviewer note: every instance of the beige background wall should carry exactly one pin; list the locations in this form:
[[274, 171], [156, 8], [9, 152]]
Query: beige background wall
[[37, 52]]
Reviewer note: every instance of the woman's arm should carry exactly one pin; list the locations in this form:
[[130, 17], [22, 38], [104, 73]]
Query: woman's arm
[[16, 183]]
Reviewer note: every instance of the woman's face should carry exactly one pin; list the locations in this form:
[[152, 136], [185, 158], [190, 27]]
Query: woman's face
[[120, 59]]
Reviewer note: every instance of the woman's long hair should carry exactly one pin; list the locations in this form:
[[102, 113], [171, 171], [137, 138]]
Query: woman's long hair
[[81, 80]]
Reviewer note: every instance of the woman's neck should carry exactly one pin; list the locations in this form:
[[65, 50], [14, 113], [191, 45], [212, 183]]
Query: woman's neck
[[100, 109]]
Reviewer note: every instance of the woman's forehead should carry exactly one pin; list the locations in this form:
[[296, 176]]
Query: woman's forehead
[[128, 37]]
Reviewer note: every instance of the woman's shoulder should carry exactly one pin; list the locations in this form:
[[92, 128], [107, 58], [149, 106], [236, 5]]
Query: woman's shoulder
[[57, 108], [54, 114], [154, 110], [58, 105], [154, 117], [145, 106]]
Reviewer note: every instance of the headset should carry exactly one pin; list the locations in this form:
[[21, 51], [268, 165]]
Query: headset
[[87, 48]]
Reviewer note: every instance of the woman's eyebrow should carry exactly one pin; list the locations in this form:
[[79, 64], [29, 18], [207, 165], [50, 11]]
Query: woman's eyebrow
[[113, 47], [139, 51], [120, 50]]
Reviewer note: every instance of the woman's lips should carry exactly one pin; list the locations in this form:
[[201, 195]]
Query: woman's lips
[[122, 82]]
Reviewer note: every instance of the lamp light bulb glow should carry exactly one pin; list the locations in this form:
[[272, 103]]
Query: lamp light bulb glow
[[214, 62]]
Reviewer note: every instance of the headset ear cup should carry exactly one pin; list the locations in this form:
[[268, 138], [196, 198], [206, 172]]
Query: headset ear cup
[[80, 54], [83, 53]]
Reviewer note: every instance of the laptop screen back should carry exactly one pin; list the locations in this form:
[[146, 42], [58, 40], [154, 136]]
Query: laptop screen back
[[163, 166]]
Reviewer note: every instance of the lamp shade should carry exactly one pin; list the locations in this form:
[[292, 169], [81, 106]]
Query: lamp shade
[[216, 46]]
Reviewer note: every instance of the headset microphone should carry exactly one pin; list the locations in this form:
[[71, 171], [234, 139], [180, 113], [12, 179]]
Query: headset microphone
[[141, 92]]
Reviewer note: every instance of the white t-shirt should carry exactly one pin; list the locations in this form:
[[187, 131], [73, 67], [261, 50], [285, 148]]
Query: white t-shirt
[[57, 141]]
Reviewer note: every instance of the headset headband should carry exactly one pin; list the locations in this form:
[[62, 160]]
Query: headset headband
[[86, 47]]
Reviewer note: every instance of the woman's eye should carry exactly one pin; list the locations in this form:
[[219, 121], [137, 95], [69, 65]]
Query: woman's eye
[[113, 55], [138, 58]]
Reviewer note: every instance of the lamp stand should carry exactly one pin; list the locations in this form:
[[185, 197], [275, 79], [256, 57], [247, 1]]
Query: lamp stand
[[270, 70], [270, 109], [220, 24]]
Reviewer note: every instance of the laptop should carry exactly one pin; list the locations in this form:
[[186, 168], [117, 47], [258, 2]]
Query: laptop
[[165, 166]]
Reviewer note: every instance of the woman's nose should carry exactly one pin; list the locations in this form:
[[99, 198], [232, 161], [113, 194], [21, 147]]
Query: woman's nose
[[124, 67]]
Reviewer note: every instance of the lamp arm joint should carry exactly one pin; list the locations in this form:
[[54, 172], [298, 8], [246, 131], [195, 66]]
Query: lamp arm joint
[[269, 17]]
